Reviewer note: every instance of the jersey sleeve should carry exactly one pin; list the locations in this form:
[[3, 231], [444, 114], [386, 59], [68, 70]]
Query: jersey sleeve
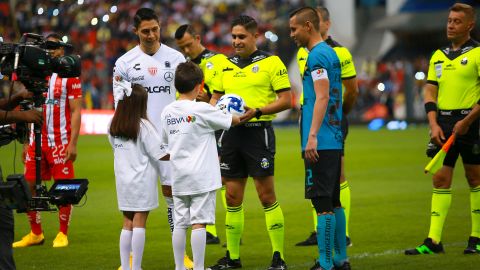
[[74, 88], [346, 61], [120, 69], [215, 72], [217, 81], [316, 62], [151, 141], [279, 75], [215, 118], [302, 56], [432, 72]]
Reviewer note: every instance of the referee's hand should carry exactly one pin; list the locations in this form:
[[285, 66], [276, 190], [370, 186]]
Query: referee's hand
[[249, 114], [436, 135]]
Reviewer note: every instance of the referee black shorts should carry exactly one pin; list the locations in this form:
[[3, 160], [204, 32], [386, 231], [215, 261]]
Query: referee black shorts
[[248, 150], [468, 145], [322, 178]]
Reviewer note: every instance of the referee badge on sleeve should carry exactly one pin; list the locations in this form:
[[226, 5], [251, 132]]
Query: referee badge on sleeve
[[464, 61], [438, 70]]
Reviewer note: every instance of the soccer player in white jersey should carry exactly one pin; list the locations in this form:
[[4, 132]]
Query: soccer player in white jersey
[[60, 131], [136, 147], [188, 128], [152, 65]]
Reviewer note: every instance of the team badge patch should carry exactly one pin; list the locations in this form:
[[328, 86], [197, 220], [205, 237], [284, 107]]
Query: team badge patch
[[209, 65], [438, 70], [255, 69], [152, 71], [264, 163], [464, 61]]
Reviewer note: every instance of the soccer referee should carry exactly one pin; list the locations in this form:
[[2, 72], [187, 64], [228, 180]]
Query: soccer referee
[[261, 79], [452, 90]]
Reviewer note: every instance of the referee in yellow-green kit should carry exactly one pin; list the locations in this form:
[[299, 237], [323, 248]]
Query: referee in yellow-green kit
[[451, 92], [261, 79]]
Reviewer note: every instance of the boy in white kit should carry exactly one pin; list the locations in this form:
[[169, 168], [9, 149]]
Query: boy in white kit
[[188, 129]]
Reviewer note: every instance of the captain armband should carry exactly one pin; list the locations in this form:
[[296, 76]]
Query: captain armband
[[319, 74], [430, 107]]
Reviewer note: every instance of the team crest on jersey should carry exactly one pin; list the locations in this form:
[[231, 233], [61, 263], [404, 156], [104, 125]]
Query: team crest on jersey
[[209, 65], [264, 163], [152, 71], [464, 61], [255, 69], [168, 76]]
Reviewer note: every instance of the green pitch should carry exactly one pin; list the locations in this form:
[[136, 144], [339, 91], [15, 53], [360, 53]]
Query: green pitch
[[390, 210]]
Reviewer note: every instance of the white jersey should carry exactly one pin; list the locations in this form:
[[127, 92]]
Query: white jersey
[[189, 130], [156, 73], [134, 166]]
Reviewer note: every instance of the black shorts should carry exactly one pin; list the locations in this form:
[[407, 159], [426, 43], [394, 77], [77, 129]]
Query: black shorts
[[248, 150], [322, 178], [468, 145], [344, 127]]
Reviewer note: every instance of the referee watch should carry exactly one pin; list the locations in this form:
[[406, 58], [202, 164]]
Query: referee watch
[[258, 113]]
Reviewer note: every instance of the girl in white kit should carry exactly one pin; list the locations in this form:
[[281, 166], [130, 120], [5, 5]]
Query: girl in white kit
[[188, 128], [136, 146]]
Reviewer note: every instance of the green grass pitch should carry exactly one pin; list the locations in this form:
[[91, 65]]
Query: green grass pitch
[[390, 210]]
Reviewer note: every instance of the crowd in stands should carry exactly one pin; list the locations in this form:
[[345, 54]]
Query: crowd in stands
[[100, 31]]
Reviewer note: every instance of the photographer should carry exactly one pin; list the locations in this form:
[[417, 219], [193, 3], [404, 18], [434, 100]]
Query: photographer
[[6, 215], [60, 132]]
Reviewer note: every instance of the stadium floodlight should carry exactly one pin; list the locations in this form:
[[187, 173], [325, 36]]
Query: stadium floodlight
[[274, 38], [80, 2], [381, 87], [40, 11], [94, 21], [113, 9], [105, 18], [420, 76], [56, 12]]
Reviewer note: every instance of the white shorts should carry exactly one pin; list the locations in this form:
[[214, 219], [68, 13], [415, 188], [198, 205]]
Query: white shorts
[[164, 169], [194, 209]]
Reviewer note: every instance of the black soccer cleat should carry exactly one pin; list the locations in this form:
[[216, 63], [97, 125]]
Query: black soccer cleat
[[428, 247], [277, 262], [212, 240], [317, 266], [344, 266], [473, 246], [226, 263], [310, 241], [349, 242]]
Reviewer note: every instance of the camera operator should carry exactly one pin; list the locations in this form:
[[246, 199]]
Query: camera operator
[[60, 132], [6, 215]]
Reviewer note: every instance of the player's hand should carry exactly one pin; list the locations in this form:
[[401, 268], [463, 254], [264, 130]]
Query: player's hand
[[71, 153], [461, 127], [311, 153], [30, 116], [249, 114], [203, 96], [436, 135]]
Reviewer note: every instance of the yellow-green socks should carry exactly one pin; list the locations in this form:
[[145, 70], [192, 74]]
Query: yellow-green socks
[[234, 222], [441, 200], [315, 221], [275, 226], [223, 196], [475, 207], [212, 229], [345, 200]]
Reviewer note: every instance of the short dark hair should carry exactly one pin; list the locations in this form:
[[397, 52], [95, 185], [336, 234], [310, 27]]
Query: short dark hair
[[305, 14], [186, 28], [187, 76], [465, 8], [247, 22], [144, 14], [54, 35], [324, 13], [129, 113]]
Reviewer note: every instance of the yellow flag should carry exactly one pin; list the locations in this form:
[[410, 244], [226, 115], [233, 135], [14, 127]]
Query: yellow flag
[[437, 161]]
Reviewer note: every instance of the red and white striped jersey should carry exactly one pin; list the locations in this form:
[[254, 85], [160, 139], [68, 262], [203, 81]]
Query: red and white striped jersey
[[56, 110]]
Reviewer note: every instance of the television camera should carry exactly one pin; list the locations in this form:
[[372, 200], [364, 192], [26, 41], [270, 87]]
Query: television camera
[[30, 63]]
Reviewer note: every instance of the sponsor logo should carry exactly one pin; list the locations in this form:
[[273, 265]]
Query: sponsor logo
[[464, 61], [264, 163], [450, 67], [152, 71], [58, 161], [346, 62], [227, 69], [224, 166], [446, 51], [255, 69], [240, 74], [302, 59], [275, 227], [168, 76], [282, 72], [319, 71], [234, 59], [118, 145], [158, 89], [476, 211], [76, 86], [435, 214], [229, 227], [139, 78], [167, 64], [191, 119], [258, 58], [52, 101], [65, 171], [179, 120], [174, 131], [466, 49], [137, 66]]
